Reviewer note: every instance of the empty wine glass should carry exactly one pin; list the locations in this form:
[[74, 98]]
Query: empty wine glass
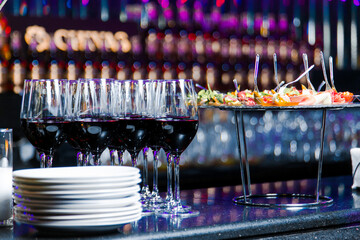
[[179, 124], [42, 116]]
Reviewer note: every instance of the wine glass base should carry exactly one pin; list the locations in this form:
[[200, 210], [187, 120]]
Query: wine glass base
[[146, 212], [183, 211]]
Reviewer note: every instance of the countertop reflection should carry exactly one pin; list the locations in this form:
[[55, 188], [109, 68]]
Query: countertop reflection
[[220, 218]]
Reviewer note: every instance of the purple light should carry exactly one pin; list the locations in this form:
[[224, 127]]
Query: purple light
[[84, 2], [356, 2], [164, 3]]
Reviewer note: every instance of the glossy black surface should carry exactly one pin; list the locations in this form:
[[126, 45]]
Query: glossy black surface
[[220, 218]]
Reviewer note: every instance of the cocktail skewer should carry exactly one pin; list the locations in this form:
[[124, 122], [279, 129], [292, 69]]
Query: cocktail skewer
[[275, 71], [279, 86], [331, 66], [301, 76], [257, 59], [320, 86], [236, 85], [199, 86], [306, 66], [328, 87]]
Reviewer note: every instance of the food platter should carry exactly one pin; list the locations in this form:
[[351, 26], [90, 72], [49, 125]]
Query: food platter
[[293, 200], [280, 108]]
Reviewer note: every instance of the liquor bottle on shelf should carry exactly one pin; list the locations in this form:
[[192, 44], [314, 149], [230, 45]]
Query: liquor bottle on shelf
[[184, 51], [138, 71], [15, 69], [226, 79], [234, 49], [73, 70], [264, 78], [153, 71], [183, 71], [197, 74], [54, 69], [199, 55], [168, 71], [152, 44], [169, 46], [106, 67], [211, 75], [122, 71]]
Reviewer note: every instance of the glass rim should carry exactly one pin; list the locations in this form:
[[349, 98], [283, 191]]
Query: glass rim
[[45, 79], [89, 79]]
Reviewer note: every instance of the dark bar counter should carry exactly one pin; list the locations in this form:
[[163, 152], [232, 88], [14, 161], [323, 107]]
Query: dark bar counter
[[220, 218]]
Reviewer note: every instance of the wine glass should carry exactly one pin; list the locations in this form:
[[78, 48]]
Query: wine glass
[[92, 122], [136, 126], [179, 124], [83, 152], [42, 116], [155, 144], [117, 144]]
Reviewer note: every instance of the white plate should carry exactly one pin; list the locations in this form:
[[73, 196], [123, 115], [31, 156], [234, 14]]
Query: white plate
[[99, 216], [58, 187], [125, 192], [75, 173], [110, 195], [76, 191], [86, 204], [52, 211], [45, 182], [88, 226]]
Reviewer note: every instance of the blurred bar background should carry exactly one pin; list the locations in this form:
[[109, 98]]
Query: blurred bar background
[[212, 42]]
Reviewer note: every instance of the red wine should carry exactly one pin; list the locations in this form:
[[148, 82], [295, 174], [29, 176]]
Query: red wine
[[154, 139], [44, 134], [177, 133], [134, 132], [90, 134]]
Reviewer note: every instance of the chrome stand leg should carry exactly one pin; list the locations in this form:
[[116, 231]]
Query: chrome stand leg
[[244, 151], [240, 155], [322, 140]]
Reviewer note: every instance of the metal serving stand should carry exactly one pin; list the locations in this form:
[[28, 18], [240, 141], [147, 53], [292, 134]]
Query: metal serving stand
[[297, 200]]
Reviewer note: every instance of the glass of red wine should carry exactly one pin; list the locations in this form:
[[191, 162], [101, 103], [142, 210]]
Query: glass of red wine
[[154, 142], [179, 124], [42, 116], [92, 122], [117, 145], [136, 125], [83, 152]]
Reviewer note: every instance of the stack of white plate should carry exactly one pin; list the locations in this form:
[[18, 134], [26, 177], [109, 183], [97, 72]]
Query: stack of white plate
[[77, 197]]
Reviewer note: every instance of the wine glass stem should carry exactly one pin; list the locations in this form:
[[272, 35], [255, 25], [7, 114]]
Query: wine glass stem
[[169, 194], [46, 160], [86, 159], [97, 160], [145, 187], [80, 158], [177, 181], [120, 156], [113, 156], [133, 159], [155, 191]]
